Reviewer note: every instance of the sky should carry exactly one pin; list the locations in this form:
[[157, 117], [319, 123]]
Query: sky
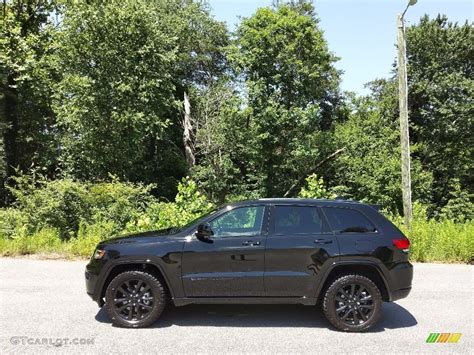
[[361, 32]]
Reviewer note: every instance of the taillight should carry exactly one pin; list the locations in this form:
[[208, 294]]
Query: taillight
[[402, 244]]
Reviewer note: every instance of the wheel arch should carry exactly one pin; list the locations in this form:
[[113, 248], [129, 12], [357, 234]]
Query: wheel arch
[[119, 268], [369, 270]]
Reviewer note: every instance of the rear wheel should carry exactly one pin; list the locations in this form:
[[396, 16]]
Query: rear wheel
[[352, 303], [135, 299]]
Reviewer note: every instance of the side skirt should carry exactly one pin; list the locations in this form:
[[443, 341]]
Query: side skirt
[[245, 300]]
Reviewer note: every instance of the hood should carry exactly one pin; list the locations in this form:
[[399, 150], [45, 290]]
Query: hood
[[141, 237]]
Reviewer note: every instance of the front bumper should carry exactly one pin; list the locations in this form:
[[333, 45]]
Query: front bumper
[[91, 283], [399, 294]]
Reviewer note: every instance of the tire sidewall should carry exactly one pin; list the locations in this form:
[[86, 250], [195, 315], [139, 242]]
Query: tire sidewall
[[157, 290]]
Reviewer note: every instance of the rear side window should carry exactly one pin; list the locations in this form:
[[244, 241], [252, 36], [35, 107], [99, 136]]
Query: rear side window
[[348, 220], [298, 220]]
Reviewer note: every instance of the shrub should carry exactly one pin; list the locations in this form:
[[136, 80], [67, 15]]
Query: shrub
[[189, 204], [315, 188], [64, 204], [11, 222], [45, 240], [88, 236], [438, 240]]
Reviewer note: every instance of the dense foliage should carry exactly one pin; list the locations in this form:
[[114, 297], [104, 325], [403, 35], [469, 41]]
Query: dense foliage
[[95, 138]]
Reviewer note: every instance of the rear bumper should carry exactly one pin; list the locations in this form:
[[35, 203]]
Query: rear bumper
[[401, 277]]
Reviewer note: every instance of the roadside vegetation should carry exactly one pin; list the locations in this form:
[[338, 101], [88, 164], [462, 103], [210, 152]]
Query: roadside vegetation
[[125, 116], [67, 219]]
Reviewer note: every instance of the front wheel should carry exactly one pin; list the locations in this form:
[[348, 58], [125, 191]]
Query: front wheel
[[352, 303], [135, 299]]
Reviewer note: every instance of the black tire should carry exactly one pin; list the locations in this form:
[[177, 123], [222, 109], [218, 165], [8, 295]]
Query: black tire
[[352, 303], [135, 299]]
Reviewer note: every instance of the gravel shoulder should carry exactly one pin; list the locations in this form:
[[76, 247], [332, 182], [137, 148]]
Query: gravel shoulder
[[45, 300]]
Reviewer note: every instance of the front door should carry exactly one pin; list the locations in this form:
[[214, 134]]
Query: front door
[[300, 248], [231, 262]]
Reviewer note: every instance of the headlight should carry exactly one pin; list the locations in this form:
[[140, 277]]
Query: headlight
[[99, 254]]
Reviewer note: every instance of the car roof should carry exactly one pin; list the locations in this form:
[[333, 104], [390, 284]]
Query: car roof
[[299, 201]]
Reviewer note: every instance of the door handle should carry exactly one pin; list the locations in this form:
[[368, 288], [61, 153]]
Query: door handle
[[323, 241], [250, 243]]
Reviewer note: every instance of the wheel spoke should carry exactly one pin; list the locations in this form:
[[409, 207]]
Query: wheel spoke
[[122, 290], [139, 285], [364, 317], [366, 306], [354, 317], [366, 298], [341, 308], [145, 290], [346, 314], [120, 300], [359, 291], [146, 307], [138, 311], [339, 299], [120, 309], [130, 313], [353, 289]]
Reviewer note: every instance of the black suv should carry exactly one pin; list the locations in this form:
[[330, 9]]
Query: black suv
[[343, 254]]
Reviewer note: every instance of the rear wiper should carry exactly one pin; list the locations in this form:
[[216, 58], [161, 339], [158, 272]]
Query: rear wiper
[[354, 230]]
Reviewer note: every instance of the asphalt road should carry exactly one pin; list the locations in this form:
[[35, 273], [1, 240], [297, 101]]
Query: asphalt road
[[45, 299]]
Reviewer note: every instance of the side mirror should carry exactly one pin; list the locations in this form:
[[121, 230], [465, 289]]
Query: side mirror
[[204, 231]]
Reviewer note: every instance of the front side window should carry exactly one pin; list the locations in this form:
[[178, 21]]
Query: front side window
[[241, 221], [297, 220], [348, 220]]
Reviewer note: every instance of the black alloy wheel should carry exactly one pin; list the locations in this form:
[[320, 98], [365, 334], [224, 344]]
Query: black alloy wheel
[[352, 303], [135, 299]]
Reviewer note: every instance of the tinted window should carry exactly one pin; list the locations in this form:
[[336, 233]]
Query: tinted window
[[297, 220], [347, 220], [242, 221]]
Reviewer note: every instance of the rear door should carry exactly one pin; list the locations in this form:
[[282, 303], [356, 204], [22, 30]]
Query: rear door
[[300, 246], [231, 263], [356, 233]]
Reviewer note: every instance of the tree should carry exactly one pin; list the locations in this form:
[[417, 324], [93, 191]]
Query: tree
[[201, 60], [222, 137], [441, 91], [116, 92], [126, 66], [26, 75], [292, 92], [368, 169]]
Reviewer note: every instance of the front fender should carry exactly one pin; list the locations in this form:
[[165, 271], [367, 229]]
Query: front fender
[[165, 258]]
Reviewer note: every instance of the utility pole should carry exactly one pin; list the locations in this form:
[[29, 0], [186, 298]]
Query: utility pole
[[188, 133], [404, 125]]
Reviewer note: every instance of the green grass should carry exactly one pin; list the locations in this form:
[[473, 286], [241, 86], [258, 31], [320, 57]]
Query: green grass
[[441, 241]]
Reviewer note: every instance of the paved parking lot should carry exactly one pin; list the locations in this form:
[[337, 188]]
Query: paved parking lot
[[45, 299]]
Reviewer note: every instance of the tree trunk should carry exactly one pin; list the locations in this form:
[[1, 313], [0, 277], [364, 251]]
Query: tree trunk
[[188, 133]]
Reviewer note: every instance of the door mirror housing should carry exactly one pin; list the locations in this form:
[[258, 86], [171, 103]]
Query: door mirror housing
[[204, 231]]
